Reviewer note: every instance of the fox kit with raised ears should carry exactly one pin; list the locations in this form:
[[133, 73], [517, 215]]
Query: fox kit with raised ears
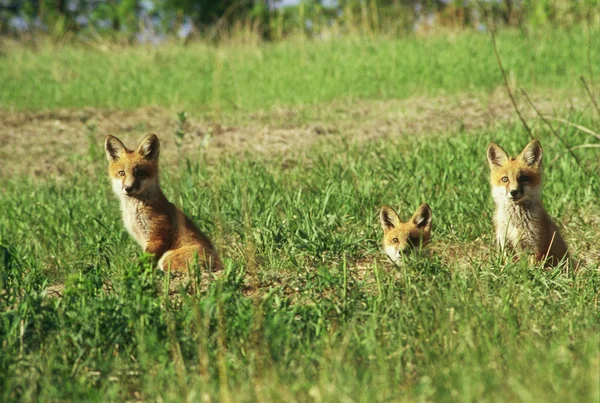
[[401, 237], [156, 224], [520, 219]]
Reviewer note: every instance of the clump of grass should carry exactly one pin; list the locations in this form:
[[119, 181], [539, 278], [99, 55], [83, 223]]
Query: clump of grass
[[180, 131]]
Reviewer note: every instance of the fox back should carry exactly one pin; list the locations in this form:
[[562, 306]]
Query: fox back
[[401, 237], [520, 219]]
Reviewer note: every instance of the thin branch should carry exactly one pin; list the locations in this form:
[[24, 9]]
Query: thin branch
[[589, 47], [574, 148], [586, 146], [575, 125], [590, 94], [506, 84], [552, 128]]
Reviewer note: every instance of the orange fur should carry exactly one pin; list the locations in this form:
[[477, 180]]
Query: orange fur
[[520, 219], [156, 224], [401, 237]]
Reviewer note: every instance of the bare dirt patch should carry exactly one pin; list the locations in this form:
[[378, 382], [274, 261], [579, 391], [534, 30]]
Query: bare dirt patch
[[45, 144]]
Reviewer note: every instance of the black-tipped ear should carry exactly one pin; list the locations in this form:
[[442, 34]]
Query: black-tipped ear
[[114, 148], [149, 147], [389, 218], [422, 217], [496, 155], [532, 153]]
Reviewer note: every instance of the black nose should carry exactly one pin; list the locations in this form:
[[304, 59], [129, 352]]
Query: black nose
[[514, 193], [129, 189]]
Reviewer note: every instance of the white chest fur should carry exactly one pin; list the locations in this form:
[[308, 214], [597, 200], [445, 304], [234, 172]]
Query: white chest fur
[[135, 215], [135, 219], [518, 225]]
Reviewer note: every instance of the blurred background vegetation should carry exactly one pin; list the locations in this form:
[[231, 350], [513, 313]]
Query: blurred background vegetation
[[155, 21]]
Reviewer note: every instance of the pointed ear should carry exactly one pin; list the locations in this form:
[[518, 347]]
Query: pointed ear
[[114, 148], [422, 217], [532, 153], [496, 155], [149, 147], [389, 218]]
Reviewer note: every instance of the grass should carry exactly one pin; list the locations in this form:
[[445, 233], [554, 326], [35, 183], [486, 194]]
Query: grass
[[324, 317], [307, 308], [289, 73]]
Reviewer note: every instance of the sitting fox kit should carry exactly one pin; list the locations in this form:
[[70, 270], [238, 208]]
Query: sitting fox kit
[[520, 219], [156, 224], [401, 237]]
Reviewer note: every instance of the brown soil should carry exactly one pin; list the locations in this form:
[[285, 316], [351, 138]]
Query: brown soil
[[45, 144]]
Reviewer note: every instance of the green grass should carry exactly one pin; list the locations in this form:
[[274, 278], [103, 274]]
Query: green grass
[[330, 319], [289, 73]]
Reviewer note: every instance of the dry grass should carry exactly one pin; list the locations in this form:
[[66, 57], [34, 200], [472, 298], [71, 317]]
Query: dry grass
[[44, 144]]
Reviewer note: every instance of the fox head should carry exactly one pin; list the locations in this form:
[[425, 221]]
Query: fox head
[[516, 180], [401, 237], [132, 172]]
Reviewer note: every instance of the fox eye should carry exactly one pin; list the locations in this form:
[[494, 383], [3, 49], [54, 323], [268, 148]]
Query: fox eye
[[121, 173], [524, 178], [140, 174], [505, 179], [395, 240]]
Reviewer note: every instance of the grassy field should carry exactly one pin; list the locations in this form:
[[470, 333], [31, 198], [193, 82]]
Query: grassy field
[[307, 308], [289, 73]]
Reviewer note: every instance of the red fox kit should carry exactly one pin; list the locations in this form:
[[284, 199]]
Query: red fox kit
[[520, 219], [401, 237], [156, 224]]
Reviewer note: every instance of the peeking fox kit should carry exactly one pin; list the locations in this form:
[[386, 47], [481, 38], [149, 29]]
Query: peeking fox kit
[[156, 224], [520, 219], [401, 237]]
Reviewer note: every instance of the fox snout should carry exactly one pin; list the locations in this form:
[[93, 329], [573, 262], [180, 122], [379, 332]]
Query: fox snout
[[126, 182], [131, 187], [127, 187], [515, 194], [399, 250], [515, 191]]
